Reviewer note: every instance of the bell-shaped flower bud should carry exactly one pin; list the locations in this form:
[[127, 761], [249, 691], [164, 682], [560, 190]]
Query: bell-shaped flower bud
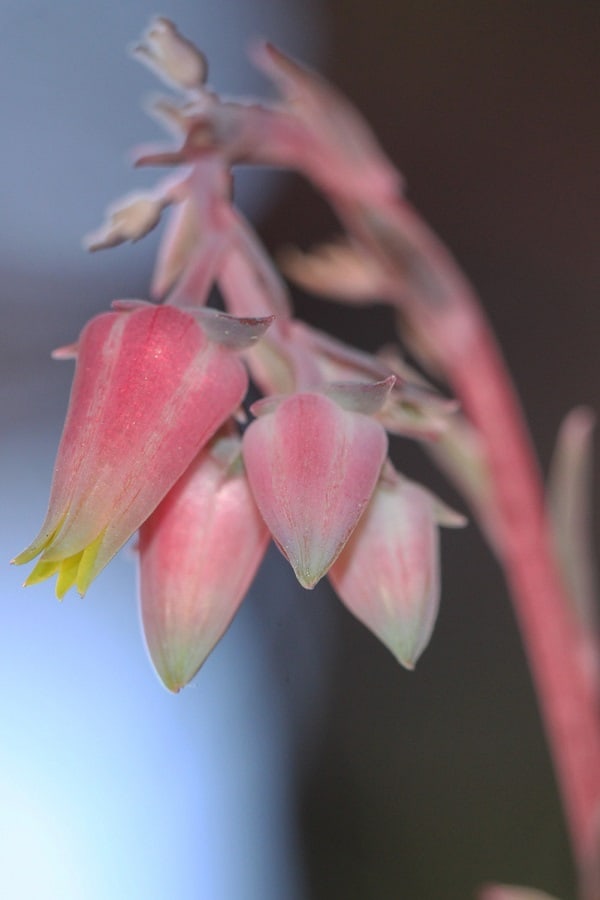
[[131, 219], [149, 391], [388, 573], [312, 467], [198, 552], [171, 56], [341, 270]]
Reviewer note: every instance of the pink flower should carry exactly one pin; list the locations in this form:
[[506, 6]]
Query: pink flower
[[388, 572], [312, 467], [199, 551], [150, 389]]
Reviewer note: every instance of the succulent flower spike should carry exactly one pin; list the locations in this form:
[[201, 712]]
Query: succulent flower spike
[[312, 467], [153, 385], [388, 572], [149, 390], [198, 552]]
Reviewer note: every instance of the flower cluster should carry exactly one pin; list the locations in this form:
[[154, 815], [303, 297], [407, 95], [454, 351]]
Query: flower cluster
[[156, 438]]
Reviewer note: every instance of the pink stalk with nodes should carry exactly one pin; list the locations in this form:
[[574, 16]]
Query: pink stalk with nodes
[[155, 383]]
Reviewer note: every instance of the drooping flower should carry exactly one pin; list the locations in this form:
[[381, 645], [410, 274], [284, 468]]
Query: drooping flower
[[150, 389], [312, 466], [198, 552], [388, 572]]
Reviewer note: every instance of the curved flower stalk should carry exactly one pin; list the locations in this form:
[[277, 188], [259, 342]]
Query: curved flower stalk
[[198, 553], [150, 389], [333, 142]]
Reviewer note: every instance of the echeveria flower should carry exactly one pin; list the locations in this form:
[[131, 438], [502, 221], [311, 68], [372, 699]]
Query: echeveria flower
[[198, 551], [312, 467], [150, 389], [388, 573]]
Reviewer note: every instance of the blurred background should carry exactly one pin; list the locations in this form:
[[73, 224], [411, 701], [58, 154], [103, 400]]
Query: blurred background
[[302, 762]]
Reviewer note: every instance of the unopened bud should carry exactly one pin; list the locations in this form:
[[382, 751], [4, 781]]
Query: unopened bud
[[173, 58], [127, 221]]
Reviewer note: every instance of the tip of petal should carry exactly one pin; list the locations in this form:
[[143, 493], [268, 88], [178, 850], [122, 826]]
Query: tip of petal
[[308, 580], [173, 685], [407, 649], [407, 662], [177, 657], [177, 672], [41, 571], [41, 542], [26, 555], [309, 571]]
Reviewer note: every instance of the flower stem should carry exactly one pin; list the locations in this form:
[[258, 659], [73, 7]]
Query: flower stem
[[449, 329], [566, 693]]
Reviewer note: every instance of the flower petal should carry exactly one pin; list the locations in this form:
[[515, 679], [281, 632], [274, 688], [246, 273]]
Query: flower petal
[[149, 390], [388, 573], [198, 553], [312, 467]]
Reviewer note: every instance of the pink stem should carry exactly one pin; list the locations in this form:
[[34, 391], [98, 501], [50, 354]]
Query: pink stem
[[450, 328], [566, 694]]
